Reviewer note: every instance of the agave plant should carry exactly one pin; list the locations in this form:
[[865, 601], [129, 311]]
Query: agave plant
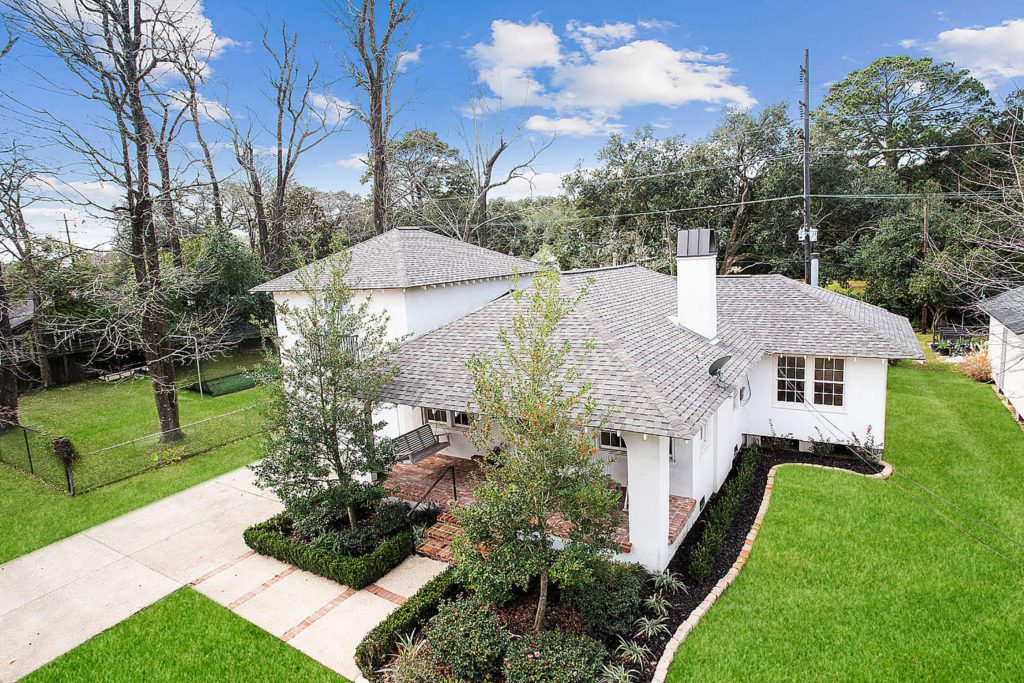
[[632, 652], [617, 673], [658, 604], [668, 581]]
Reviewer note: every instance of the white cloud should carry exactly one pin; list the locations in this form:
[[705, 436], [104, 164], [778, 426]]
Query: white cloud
[[545, 184], [993, 53], [356, 160], [526, 65], [649, 72], [507, 64], [334, 109], [209, 110], [592, 37], [908, 43], [570, 125], [655, 24], [86, 230], [408, 58]]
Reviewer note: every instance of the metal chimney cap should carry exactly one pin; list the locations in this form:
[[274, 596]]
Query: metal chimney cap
[[696, 242]]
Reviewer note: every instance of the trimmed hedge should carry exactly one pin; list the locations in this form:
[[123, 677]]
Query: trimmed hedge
[[382, 641], [267, 538]]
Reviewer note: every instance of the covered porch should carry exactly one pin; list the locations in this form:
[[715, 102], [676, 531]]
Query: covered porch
[[444, 481]]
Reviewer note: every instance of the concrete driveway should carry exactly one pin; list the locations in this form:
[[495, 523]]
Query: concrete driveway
[[56, 598]]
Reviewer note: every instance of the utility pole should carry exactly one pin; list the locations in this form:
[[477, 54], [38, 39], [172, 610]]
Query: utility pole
[[805, 74], [924, 255]]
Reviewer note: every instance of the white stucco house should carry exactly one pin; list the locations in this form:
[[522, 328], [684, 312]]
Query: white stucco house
[[1006, 345], [794, 361]]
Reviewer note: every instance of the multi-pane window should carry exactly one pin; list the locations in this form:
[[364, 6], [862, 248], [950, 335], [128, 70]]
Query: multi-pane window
[[828, 381], [791, 377], [612, 440], [460, 419], [436, 415]]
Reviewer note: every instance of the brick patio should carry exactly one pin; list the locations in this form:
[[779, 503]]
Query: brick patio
[[411, 483]]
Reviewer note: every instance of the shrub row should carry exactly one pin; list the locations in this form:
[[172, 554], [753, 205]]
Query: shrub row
[[719, 517], [372, 653], [268, 538]]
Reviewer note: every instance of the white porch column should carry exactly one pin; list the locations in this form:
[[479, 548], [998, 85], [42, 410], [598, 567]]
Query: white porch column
[[648, 482]]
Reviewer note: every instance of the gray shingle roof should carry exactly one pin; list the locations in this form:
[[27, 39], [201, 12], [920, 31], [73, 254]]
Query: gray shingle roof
[[786, 316], [1007, 308], [414, 257], [648, 374]]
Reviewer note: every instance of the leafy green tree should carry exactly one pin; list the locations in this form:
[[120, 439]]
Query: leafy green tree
[[546, 477], [898, 102], [324, 391], [225, 270]]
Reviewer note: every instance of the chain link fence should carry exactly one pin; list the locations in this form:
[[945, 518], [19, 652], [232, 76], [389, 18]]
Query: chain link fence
[[35, 452]]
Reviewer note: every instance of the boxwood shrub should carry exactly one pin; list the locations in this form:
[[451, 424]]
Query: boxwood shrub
[[269, 538], [373, 652], [467, 636]]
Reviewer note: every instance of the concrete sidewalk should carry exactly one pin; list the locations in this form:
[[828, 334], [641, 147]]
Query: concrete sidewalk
[[56, 598]]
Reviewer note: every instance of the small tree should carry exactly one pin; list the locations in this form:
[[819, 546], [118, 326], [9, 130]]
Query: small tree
[[546, 481], [324, 391]]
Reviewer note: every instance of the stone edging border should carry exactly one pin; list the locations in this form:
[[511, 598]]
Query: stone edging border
[[698, 613]]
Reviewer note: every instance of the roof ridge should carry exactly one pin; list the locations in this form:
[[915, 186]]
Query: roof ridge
[[646, 384]]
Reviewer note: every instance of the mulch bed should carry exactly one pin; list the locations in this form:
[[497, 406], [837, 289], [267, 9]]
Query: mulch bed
[[684, 604]]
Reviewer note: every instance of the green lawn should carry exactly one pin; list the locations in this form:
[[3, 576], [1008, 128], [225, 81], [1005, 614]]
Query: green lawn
[[184, 637], [96, 415], [34, 515], [853, 578]]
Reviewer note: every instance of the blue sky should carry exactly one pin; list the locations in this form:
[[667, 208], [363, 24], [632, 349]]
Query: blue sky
[[578, 70]]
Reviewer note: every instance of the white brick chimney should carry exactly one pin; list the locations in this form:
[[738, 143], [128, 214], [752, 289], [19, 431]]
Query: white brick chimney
[[696, 272]]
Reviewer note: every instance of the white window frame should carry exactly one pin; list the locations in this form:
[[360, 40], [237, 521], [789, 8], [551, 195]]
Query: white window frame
[[612, 434], [809, 399], [427, 419], [459, 425], [449, 418], [841, 383], [801, 390]]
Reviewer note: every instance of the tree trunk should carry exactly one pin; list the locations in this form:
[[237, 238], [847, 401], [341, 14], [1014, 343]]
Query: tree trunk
[[218, 202], [352, 517], [8, 367], [542, 603], [381, 219], [166, 200]]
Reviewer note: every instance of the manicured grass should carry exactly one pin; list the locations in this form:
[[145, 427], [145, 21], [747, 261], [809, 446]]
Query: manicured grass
[[852, 578], [96, 415], [34, 515], [184, 637]]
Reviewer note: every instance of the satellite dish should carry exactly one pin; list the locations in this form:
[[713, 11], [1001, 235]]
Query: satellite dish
[[716, 368]]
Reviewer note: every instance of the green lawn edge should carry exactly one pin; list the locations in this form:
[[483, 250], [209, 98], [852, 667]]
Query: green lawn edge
[[852, 578], [184, 637]]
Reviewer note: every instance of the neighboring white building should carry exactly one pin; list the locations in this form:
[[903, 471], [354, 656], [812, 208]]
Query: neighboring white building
[[1006, 345], [796, 361]]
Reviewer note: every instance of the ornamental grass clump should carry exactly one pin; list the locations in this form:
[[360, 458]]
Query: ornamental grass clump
[[977, 366]]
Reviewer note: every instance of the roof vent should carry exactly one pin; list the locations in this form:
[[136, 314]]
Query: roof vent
[[696, 242]]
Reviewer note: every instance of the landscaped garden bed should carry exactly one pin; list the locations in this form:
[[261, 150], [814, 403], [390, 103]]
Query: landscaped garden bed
[[614, 628], [321, 542]]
